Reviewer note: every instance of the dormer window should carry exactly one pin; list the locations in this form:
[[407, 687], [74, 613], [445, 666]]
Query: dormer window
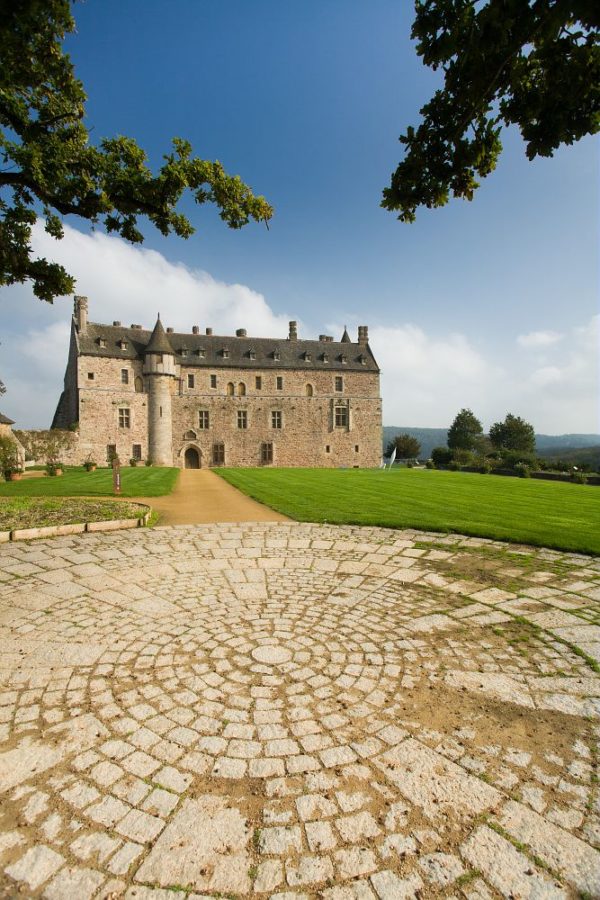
[[225, 353], [184, 351], [251, 354], [307, 356], [343, 359], [362, 359], [123, 344], [201, 352], [325, 357], [102, 343], [276, 355]]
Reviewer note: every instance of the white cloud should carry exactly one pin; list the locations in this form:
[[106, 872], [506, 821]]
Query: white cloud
[[546, 375], [123, 282], [537, 339]]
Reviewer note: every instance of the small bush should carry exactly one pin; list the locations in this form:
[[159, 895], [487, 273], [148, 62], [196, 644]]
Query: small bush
[[453, 466], [522, 470], [578, 478], [512, 458], [429, 464], [441, 456], [485, 468], [463, 457], [53, 468], [148, 462]]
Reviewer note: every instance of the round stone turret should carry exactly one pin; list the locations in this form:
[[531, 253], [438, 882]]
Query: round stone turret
[[159, 368]]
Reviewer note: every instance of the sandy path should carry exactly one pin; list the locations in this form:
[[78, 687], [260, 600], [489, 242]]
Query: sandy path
[[200, 496]]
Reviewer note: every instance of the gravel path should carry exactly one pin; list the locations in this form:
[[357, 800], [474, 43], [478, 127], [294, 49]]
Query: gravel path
[[201, 497], [292, 711]]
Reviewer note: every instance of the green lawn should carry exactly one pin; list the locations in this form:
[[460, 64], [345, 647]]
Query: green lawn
[[545, 513], [136, 481], [40, 512]]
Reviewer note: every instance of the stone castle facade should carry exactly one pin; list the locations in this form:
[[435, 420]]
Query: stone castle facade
[[195, 400]]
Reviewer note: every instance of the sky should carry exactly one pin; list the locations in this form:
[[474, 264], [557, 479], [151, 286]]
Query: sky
[[491, 305]]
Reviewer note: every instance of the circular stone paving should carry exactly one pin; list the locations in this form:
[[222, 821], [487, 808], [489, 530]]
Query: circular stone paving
[[272, 655], [297, 711]]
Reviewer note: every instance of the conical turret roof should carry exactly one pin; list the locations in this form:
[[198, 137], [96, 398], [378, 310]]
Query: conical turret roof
[[159, 342], [346, 337]]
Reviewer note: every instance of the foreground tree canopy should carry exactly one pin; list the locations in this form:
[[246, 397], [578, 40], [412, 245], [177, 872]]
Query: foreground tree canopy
[[49, 166], [530, 63], [465, 431], [406, 446]]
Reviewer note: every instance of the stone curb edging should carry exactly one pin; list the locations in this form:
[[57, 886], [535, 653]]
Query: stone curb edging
[[28, 534]]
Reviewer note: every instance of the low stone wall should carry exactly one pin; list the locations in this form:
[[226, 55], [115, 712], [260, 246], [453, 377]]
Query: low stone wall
[[542, 476]]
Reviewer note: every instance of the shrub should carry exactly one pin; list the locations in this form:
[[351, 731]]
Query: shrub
[[148, 462], [9, 457], [430, 464], [522, 470], [89, 463], [441, 456], [578, 478], [463, 457], [512, 458], [52, 468], [485, 468], [453, 466]]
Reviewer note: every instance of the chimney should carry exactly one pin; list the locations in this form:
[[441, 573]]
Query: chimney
[[363, 334], [293, 335], [195, 329], [80, 312], [209, 331], [170, 330], [136, 327], [241, 332]]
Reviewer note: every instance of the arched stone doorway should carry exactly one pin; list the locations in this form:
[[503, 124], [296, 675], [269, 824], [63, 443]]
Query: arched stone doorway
[[191, 459]]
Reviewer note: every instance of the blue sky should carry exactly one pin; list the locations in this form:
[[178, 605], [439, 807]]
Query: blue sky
[[489, 303]]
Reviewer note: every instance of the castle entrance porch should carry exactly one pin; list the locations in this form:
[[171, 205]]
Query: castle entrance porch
[[192, 458]]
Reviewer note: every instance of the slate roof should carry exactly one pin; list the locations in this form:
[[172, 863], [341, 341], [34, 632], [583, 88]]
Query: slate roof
[[243, 352], [159, 342], [4, 420]]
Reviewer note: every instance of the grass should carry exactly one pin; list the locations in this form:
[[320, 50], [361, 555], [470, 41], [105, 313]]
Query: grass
[[136, 481], [40, 512], [544, 513]]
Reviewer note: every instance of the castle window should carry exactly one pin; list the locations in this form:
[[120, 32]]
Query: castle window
[[307, 356], [327, 448], [184, 351], [241, 389], [90, 376], [258, 383], [203, 419], [225, 353], [341, 417], [124, 417], [339, 383], [362, 359], [276, 418], [102, 343], [218, 454], [124, 376], [230, 389], [201, 352], [189, 436], [279, 383], [356, 448], [325, 357], [242, 418], [266, 454], [136, 451], [139, 385], [309, 390], [191, 381], [123, 344], [251, 354], [276, 355], [213, 381], [343, 359]]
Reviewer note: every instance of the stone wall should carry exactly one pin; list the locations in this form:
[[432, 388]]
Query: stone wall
[[308, 422]]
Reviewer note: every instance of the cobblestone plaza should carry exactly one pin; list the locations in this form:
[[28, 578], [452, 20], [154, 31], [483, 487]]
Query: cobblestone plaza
[[297, 711]]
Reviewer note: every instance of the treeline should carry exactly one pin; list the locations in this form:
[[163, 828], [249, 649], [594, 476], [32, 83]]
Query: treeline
[[509, 445]]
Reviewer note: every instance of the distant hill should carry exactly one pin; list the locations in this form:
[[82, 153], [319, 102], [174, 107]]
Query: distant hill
[[575, 456], [550, 446]]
